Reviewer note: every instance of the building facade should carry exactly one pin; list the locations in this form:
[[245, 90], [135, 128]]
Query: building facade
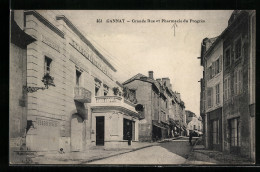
[[194, 123], [235, 113], [18, 96], [83, 105], [163, 109], [239, 116]]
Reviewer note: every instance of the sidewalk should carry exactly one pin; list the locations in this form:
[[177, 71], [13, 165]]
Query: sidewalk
[[92, 154], [200, 156], [87, 156]]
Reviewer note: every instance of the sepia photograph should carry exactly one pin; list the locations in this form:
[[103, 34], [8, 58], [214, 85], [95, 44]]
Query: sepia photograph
[[132, 87]]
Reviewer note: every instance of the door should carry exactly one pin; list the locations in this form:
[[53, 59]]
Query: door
[[76, 133], [100, 132]]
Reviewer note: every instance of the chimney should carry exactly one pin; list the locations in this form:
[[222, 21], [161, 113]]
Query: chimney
[[167, 80], [150, 74]]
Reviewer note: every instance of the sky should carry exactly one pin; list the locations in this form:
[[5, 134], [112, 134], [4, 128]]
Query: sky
[[168, 49]]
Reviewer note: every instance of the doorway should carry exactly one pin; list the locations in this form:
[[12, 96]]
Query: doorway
[[100, 132]]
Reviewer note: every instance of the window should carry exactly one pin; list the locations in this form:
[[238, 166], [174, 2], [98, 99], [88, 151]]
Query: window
[[47, 65], [217, 94], [106, 90], [238, 82], [234, 132], [97, 87], [227, 91], [227, 57], [209, 97], [78, 74], [213, 69], [209, 72], [204, 100], [217, 66], [238, 49], [127, 128], [215, 131]]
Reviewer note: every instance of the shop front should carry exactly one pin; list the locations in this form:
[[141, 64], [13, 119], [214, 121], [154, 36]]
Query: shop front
[[215, 129], [114, 122]]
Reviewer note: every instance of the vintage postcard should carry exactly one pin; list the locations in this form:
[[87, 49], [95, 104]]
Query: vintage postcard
[[132, 87]]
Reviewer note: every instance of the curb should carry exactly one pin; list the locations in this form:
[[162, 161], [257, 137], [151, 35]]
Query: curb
[[100, 158], [192, 149]]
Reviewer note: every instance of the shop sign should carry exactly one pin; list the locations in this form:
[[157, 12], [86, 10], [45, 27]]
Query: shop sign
[[91, 56], [50, 43]]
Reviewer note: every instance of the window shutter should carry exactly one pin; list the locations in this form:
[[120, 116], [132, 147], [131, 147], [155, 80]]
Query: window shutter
[[213, 69], [220, 63]]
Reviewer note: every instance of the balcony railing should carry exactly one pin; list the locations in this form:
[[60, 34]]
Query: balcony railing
[[82, 95], [109, 99], [115, 100]]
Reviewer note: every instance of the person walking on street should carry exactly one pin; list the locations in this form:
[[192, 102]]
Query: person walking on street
[[190, 138], [128, 138]]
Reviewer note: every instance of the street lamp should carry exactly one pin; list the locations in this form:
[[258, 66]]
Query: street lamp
[[47, 81]]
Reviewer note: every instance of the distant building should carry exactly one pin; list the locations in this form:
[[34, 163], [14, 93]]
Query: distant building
[[194, 123], [163, 109]]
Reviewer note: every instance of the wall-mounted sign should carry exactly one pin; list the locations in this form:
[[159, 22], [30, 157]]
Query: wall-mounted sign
[[50, 43], [91, 56]]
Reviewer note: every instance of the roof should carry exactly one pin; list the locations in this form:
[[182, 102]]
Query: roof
[[143, 78], [231, 24]]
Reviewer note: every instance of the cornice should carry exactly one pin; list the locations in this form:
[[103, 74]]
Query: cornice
[[85, 40], [44, 21]]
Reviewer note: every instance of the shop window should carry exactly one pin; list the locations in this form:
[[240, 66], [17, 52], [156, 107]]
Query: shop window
[[238, 82], [47, 65], [234, 132], [215, 132], [127, 128], [227, 57], [238, 49], [78, 76]]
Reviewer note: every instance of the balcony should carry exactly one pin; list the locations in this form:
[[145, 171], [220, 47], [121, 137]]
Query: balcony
[[115, 103], [82, 95]]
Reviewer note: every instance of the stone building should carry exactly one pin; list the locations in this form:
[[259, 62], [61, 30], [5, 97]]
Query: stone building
[[83, 105], [236, 126], [239, 83], [194, 123], [18, 95], [163, 108], [213, 91], [149, 93]]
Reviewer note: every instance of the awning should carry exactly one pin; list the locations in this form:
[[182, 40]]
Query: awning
[[160, 125]]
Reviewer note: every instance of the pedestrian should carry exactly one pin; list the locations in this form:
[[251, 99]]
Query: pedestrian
[[128, 138], [190, 138]]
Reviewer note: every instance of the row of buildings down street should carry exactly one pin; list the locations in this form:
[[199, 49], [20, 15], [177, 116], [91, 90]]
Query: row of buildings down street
[[63, 93], [228, 86]]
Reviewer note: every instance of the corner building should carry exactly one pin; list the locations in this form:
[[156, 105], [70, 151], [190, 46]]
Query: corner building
[[81, 110]]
